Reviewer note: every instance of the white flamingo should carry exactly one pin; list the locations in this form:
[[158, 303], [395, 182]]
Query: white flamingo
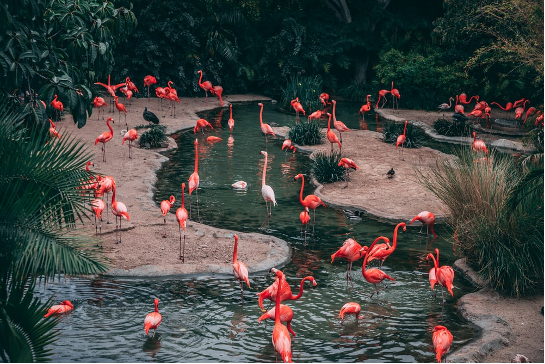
[[267, 193]]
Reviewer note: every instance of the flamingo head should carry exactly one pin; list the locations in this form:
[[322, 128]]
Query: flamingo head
[[196, 142], [156, 301], [436, 251], [67, 303], [260, 104], [297, 177], [474, 134], [199, 71], [183, 186], [110, 119], [364, 250], [264, 153], [314, 283], [429, 256], [172, 199], [439, 328], [236, 238]]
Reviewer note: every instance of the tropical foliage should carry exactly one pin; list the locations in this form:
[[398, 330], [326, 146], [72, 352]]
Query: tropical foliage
[[496, 209], [452, 127], [153, 137], [38, 215], [325, 167], [307, 89], [306, 133]]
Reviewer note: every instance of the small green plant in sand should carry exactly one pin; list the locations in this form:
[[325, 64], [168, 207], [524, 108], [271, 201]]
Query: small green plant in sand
[[496, 208], [413, 135], [452, 128], [154, 137], [325, 167], [306, 133]]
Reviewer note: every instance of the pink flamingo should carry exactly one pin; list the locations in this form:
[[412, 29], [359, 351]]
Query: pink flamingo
[[97, 205], [463, 98], [478, 145], [365, 107], [315, 115], [119, 210], [111, 89], [231, 121], [217, 90], [311, 201], [265, 128], [443, 274], [239, 270], [531, 111], [426, 218], [161, 94], [148, 81], [507, 107], [153, 319], [297, 107], [120, 107], [194, 181], [165, 208], [375, 275], [395, 93], [401, 140], [520, 110], [201, 125], [105, 137], [442, 340], [54, 133], [324, 98], [281, 338], [286, 315], [131, 135], [350, 308], [181, 217], [339, 125], [99, 102], [444, 106], [382, 95], [347, 164], [304, 217], [287, 145], [331, 135], [285, 290], [206, 86], [267, 193], [58, 106], [105, 186], [349, 251], [382, 251], [62, 307], [172, 95]]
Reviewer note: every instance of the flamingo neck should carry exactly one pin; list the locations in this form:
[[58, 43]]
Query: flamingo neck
[[395, 237], [109, 126], [277, 304], [301, 193], [405, 129], [183, 197], [196, 158], [54, 126], [264, 172], [329, 123], [474, 137], [434, 263], [261, 115], [113, 194], [437, 252], [235, 250], [200, 78], [456, 101], [334, 105], [156, 309], [450, 103], [392, 91], [309, 278], [230, 111], [108, 80]]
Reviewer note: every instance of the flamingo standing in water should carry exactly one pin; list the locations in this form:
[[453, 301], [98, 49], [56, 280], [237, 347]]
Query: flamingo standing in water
[[119, 210], [382, 95], [201, 125], [401, 139], [153, 319], [311, 201], [231, 121], [281, 338], [365, 108], [131, 135], [347, 164], [304, 217], [350, 251], [286, 315], [62, 307], [287, 145], [58, 106], [267, 193], [442, 340], [382, 251], [315, 115], [99, 102], [350, 308], [148, 81], [339, 125], [375, 275], [426, 218], [265, 128], [444, 275], [105, 137], [206, 86], [181, 217], [285, 294], [239, 270], [331, 135], [478, 145], [194, 181], [165, 208]]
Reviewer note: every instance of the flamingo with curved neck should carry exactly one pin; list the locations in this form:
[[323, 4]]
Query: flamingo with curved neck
[[443, 274], [365, 107], [331, 135], [285, 290], [339, 125], [265, 128], [382, 251], [311, 201], [375, 275], [119, 210], [105, 137], [239, 270], [286, 315], [206, 86]]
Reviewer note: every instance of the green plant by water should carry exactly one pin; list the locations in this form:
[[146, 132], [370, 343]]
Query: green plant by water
[[154, 137], [413, 135], [452, 128], [325, 167], [307, 89], [306, 133]]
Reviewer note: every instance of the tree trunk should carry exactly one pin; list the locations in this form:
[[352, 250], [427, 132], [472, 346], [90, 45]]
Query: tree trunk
[[340, 10]]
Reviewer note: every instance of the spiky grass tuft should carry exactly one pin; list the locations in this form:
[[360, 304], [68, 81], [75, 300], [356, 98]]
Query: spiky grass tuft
[[325, 167]]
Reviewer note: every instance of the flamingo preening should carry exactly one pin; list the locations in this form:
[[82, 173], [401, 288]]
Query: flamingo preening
[[347, 164], [105, 137], [239, 270], [382, 251], [53, 133], [426, 218], [181, 217], [265, 128], [165, 208], [267, 193], [193, 182], [285, 294], [350, 251], [375, 275], [311, 201], [281, 338], [153, 319], [442, 340]]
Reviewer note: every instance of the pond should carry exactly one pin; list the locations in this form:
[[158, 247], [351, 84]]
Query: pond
[[204, 319]]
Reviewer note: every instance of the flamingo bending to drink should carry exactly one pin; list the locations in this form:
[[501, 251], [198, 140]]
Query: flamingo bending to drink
[[62, 307], [426, 218], [286, 294], [286, 315], [442, 340], [165, 208], [350, 308]]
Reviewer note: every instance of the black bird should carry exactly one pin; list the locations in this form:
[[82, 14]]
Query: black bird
[[391, 173], [150, 117]]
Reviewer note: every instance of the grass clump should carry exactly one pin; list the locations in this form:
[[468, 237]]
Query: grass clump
[[154, 137], [413, 135], [496, 208], [452, 128], [308, 89], [325, 167], [306, 133]]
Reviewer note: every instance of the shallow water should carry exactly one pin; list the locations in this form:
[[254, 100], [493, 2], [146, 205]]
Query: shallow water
[[203, 316]]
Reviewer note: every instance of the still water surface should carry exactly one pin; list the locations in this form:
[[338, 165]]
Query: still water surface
[[203, 318]]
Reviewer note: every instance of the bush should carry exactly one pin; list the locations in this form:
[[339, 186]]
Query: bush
[[496, 209], [452, 128], [308, 89], [413, 135], [325, 167], [154, 137], [306, 133]]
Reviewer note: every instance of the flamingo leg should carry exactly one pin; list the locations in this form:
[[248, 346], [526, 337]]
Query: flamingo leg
[[96, 227], [108, 211], [241, 293], [190, 206], [120, 229], [346, 177], [268, 216], [198, 212], [164, 228], [313, 222]]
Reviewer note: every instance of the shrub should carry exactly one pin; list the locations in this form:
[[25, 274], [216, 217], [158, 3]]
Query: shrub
[[325, 167], [154, 137], [306, 133], [452, 128], [413, 135], [308, 89], [496, 209]]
